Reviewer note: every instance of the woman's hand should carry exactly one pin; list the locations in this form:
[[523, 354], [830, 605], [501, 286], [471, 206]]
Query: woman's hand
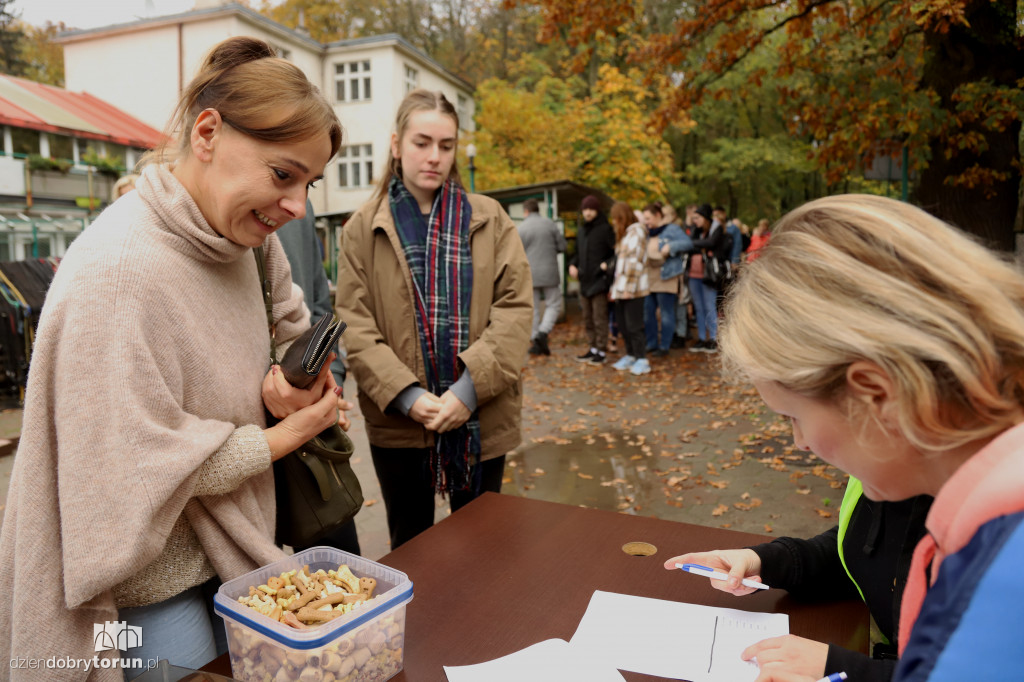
[[343, 407], [301, 425], [789, 655], [573, 272], [281, 398], [665, 250], [738, 563], [452, 415], [425, 408]]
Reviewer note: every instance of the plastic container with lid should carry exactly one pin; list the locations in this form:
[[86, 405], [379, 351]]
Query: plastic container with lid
[[366, 644]]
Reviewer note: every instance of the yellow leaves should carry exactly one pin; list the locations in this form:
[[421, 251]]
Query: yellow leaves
[[719, 510], [823, 514]]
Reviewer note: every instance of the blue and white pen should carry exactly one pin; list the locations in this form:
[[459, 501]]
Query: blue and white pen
[[834, 677], [707, 572]]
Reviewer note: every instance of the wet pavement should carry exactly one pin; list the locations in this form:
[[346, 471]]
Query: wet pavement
[[678, 444]]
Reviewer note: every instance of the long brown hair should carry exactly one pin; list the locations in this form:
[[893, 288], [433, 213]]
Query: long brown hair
[[234, 79], [417, 100], [621, 217]]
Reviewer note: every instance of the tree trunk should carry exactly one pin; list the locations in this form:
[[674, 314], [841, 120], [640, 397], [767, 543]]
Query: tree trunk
[[986, 50]]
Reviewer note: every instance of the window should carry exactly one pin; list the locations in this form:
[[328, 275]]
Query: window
[[84, 147], [24, 141], [412, 79], [355, 166], [352, 81], [462, 109], [61, 146]]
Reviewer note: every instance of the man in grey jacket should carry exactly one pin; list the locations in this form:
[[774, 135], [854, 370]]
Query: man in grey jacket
[[543, 241]]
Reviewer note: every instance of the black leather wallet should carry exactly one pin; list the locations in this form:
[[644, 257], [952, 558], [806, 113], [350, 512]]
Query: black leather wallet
[[306, 356]]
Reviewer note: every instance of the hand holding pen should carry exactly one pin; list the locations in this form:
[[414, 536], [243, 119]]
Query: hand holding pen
[[737, 564]]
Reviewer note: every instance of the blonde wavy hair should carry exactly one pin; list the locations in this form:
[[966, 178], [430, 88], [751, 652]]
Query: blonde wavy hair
[[858, 277]]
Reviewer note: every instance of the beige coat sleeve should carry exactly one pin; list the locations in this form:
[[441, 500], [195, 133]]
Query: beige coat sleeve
[[495, 359], [380, 373]]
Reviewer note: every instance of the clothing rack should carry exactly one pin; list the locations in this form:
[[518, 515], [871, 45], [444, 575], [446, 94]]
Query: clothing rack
[[23, 287]]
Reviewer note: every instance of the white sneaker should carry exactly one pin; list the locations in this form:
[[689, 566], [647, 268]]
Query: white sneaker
[[641, 366], [624, 363]]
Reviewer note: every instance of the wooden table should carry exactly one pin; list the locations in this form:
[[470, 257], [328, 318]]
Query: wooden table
[[506, 572]]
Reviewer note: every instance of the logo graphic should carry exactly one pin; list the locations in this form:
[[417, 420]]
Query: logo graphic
[[116, 635]]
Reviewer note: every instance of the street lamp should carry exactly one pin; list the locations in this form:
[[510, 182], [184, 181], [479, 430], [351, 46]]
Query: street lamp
[[471, 153]]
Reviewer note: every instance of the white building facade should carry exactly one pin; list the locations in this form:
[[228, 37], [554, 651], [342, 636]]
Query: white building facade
[[142, 66]]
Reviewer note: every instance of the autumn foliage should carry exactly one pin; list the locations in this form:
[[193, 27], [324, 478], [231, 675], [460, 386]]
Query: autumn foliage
[[603, 139], [857, 78]]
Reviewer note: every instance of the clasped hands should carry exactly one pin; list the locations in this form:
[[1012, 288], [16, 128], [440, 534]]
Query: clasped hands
[[439, 414], [780, 659], [303, 412]]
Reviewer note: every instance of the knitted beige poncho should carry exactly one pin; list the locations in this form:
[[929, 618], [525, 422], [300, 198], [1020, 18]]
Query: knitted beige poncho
[[142, 468]]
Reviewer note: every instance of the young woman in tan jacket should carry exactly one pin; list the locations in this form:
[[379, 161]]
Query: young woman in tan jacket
[[436, 290]]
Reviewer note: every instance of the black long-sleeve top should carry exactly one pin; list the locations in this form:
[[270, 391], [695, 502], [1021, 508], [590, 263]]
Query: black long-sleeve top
[[878, 546]]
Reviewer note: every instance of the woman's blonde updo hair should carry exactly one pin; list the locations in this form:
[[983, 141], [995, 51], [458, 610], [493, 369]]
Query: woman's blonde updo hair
[[856, 277], [257, 93], [417, 100]]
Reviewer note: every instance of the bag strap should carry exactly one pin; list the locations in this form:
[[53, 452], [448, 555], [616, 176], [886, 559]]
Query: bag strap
[[268, 301]]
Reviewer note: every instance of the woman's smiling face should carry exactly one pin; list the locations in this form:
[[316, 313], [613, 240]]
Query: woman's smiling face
[[250, 187]]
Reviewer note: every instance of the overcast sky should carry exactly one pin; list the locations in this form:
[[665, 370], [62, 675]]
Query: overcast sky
[[94, 13]]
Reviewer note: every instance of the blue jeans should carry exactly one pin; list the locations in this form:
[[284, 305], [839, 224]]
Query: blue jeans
[[182, 629], [704, 309], [666, 302]]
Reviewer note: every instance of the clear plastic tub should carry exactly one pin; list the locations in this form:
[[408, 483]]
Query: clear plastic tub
[[366, 644]]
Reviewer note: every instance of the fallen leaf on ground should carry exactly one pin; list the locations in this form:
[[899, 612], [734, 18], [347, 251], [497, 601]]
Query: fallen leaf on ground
[[583, 475], [823, 514], [369, 503], [719, 510]]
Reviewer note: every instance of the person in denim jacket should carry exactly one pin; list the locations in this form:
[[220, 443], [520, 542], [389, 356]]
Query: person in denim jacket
[[667, 247]]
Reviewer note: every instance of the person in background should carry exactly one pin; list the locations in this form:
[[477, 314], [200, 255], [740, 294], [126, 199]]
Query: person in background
[[667, 246], [629, 287], [759, 239], [437, 359], [543, 241], [683, 307], [143, 474], [124, 184], [594, 265], [708, 240], [914, 384], [305, 256]]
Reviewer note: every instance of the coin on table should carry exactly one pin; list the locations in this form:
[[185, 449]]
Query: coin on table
[[639, 548]]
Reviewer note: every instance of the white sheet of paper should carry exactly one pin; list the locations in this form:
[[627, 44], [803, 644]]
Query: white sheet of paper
[[672, 639], [552, 660]]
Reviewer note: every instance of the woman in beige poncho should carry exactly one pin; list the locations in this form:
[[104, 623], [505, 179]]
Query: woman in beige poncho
[[143, 471]]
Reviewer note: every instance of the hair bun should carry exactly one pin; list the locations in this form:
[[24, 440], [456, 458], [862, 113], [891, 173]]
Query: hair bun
[[239, 50]]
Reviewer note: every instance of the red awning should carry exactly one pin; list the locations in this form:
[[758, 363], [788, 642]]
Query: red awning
[[27, 104]]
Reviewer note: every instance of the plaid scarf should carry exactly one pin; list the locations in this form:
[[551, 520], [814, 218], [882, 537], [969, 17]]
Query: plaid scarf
[[437, 251]]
